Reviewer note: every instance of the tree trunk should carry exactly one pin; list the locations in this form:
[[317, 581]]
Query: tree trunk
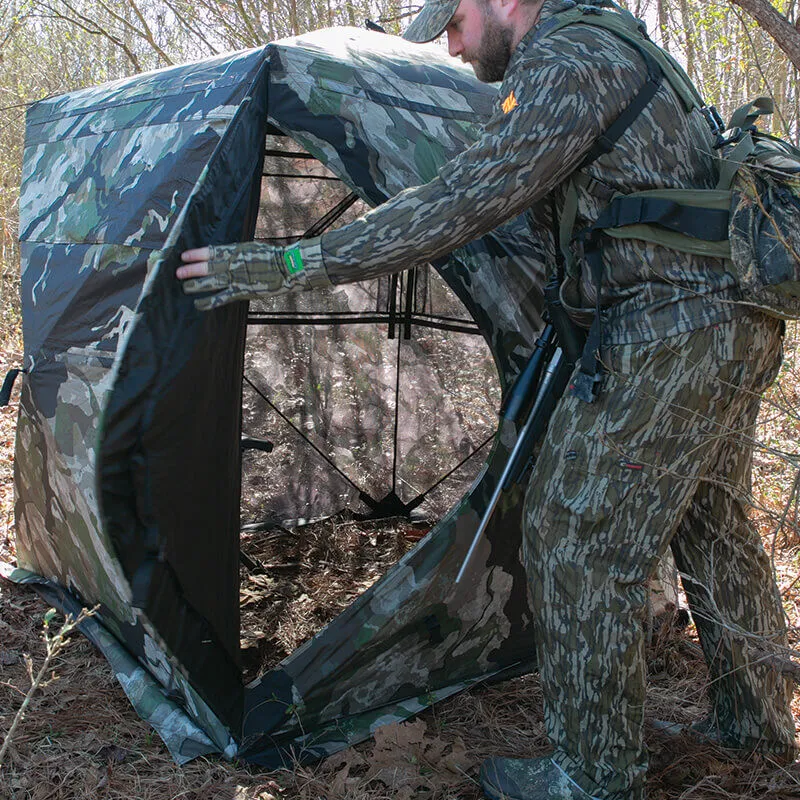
[[785, 34], [663, 24], [688, 29]]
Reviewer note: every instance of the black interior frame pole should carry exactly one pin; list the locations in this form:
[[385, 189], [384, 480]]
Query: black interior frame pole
[[420, 498], [395, 445]]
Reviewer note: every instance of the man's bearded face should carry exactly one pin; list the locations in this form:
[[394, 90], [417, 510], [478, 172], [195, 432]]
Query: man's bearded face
[[491, 58], [480, 38]]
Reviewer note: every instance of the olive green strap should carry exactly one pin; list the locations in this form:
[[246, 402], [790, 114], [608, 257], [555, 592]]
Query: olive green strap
[[671, 240], [730, 162], [702, 199], [748, 114], [566, 226]]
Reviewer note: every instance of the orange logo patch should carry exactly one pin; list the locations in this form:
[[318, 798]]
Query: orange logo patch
[[510, 103]]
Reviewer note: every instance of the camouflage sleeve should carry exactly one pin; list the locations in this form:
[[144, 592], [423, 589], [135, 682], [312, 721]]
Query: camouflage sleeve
[[549, 113]]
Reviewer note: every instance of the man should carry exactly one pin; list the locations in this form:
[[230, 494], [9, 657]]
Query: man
[[661, 457]]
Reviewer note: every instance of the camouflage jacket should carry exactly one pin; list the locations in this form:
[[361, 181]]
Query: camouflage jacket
[[559, 94]]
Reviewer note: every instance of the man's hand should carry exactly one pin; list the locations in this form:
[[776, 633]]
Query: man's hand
[[245, 271]]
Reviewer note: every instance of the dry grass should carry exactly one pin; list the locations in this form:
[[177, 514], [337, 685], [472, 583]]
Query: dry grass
[[81, 739], [295, 582]]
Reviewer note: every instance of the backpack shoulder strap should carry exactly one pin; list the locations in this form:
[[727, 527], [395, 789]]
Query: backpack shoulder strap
[[607, 15]]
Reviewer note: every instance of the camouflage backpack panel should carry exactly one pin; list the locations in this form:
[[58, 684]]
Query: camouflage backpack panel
[[765, 227]]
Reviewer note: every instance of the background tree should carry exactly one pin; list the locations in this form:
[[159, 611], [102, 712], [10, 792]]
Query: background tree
[[731, 56], [780, 23]]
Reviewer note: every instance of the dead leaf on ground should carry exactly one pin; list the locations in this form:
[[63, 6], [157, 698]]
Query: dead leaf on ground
[[112, 754], [458, 760], [399, 737], [398, 777]]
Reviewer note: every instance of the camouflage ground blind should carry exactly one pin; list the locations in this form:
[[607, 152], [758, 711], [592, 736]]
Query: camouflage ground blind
[[128, 465]]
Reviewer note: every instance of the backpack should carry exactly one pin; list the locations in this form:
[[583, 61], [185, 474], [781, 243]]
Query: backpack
[[752, 217], [764, 225]]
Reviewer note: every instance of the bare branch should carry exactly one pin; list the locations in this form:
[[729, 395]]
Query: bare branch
[[754, 50], [92, 28], [785, 34], [258, 35], [147, 34], [193, 29]]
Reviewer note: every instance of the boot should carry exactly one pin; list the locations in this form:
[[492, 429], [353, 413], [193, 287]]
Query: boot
[[528, 779]]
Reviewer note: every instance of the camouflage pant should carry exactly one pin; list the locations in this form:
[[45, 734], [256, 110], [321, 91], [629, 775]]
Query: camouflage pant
[[661, 458]]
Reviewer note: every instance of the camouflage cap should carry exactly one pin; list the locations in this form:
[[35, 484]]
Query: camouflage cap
[[431, 21]]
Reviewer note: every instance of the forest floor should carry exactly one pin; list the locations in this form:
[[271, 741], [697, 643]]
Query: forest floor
[[80, 738]]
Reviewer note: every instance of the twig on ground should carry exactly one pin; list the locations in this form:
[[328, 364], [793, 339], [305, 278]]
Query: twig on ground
[[54, 643]]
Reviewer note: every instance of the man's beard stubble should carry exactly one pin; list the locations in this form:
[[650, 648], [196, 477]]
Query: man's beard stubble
[[494, 53]]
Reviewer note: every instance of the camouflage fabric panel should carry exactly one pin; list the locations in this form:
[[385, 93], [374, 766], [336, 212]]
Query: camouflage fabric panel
[[165, 96], [55, 492], [77, 298], [296, 742], [765, 232], [55, 482], [371, 88], [106, 174], [151, 518], [414, 622], [187, 722], [123, 146]]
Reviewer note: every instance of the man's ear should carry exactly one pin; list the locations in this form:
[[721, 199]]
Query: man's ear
[[518, 14], [506, 10]]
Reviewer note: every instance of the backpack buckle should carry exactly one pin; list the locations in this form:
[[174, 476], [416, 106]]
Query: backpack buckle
[[734, 136], [586, 387], [715, 122]]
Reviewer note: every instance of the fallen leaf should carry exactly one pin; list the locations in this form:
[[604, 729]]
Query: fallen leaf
[[397, 777], [399, 735], [112, 754], [434, 750], [338, 784], [104, 778], [458, 760], [351, 758]]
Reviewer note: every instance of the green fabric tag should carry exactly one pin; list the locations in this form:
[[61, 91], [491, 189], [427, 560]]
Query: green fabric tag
[[294, 261]]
